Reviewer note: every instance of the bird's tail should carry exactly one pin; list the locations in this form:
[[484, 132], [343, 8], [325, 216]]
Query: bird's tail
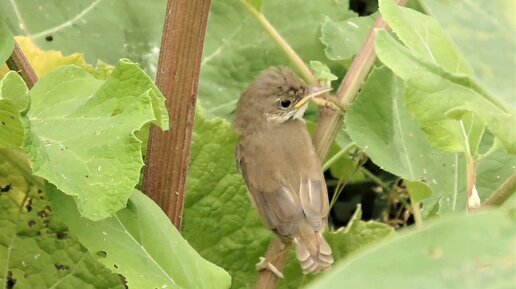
[[313, 253]]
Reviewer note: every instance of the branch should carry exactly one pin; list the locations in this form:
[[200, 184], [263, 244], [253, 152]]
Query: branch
[[328, 126], [330, 121], [19, 63], [178, 78], [503, 193]]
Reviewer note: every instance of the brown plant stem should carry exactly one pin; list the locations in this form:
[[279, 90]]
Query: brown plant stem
[[19, 63], [328, 126], [178, 77], [503, 193]]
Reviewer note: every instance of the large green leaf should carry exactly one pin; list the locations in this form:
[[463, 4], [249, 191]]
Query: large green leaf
[[13, 101], [483, 32], [465, 251], [344, 39], [220, 221], [82, 133], [6, 42], [141, 243], [237, 48], [442, 84], [380, 124], [437, 98], [105, 30], [36, 251]]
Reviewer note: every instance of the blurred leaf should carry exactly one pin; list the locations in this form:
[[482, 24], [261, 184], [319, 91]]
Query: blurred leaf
[[381, 126], [237, 48], [256, 4], [141, 243], [464, 251], [418, 191], [344, 39], [427, 88], [13, 101], [322, 72], [424, 37], [484, 34], [36, 251], [102, 30], [69, 106], [6, 42], [222, 224]]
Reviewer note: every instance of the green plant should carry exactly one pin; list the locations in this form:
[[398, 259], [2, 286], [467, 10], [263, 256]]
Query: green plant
[[436, 110]]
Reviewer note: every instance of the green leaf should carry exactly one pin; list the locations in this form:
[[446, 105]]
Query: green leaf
[[222, 224], [356, 237], [322, 72], [344, 39], [454, 250], [256, 4], [36, 251], [6, 42], [418, 191], [64, 25], [424, 37], [379, 123], [237, 48], [82, 133], [484, 34], [140, 243], [428, 93], [13, 101]]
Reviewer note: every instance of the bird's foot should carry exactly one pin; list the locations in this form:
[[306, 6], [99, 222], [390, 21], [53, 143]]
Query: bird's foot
[[327, 102], [264, 264]]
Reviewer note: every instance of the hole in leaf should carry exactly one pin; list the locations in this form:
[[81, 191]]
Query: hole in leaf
[[31, 223], [62, 235], [49, 38], [5, 189], [10, 280], [102, 254], [62, 267], [28, 206]]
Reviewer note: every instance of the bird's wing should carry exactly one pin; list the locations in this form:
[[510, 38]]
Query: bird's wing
[[314, 201], [279, 206]]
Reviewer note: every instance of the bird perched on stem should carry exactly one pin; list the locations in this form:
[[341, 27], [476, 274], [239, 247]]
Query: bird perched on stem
[[280, 167]]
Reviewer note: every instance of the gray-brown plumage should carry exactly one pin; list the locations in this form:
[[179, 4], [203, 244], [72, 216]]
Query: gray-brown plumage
[[280, 166]]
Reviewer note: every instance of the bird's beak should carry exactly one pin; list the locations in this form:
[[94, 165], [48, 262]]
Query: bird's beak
[[312, 92]]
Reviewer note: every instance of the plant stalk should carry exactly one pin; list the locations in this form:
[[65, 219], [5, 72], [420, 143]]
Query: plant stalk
[[19, 63], [503, 193], [168, 154]]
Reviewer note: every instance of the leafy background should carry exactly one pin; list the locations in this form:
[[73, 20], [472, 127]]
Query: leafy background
[[390, 122]]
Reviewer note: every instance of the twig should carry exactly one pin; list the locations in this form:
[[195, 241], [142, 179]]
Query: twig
[[178, 77], [283, 44], [503, 193], [329, 123], [19, 63]]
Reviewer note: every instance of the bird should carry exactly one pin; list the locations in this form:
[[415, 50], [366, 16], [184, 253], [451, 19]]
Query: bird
[[279, 164]]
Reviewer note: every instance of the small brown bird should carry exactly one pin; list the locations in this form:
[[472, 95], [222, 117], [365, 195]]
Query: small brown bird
[[280, 167]]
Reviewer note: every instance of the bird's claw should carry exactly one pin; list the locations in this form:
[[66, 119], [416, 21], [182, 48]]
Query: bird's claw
[[266, 265]]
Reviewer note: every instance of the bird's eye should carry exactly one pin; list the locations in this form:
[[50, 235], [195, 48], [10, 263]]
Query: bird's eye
[[285, 103]]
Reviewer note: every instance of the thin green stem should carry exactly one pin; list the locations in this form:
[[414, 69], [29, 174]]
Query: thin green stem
[[283, 44], [470, 171], [337, 156], [418, 216], [375, 179]]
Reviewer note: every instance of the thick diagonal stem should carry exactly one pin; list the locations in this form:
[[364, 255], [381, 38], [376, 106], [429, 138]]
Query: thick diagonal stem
[[179, 66]]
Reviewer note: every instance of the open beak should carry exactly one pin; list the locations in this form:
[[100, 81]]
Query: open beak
[[313, 92]]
